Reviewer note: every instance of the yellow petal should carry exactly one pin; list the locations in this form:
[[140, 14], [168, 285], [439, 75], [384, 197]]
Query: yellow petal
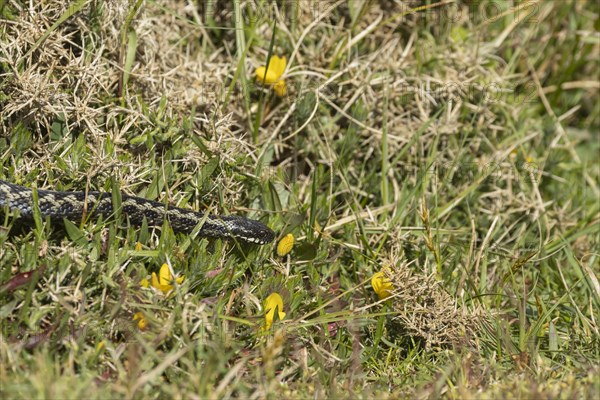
[[285, 245], [272, 303], [144, 283], [164, 280], [269, 79], [138, 246], [277, 64], [142, 323], [276, 68], [280, 88], [165, 275], [382, 285], [165, 288], [154, 280]]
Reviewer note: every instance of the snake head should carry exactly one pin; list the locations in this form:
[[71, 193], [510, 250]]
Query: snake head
[[247, 230]]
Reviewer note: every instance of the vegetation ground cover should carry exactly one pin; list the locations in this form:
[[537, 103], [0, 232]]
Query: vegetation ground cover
[[449, 148]]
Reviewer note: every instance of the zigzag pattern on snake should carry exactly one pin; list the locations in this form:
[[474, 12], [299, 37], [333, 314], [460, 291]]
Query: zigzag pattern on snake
[[75, 205]]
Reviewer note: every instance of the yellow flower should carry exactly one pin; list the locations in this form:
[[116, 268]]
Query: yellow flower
[[382, 285], [274, 301], [100, 346], [164, 280], [142, 323], [285, 245], [271, 75], [279, 88], [138, 246], [275, 70]]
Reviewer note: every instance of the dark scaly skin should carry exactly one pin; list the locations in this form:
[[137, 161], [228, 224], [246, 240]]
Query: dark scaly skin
[[73, 205]]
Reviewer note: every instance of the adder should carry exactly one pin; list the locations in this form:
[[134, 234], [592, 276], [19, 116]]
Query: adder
[[75, 205]]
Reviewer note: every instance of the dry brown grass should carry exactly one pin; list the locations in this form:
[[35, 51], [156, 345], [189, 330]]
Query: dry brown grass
[[424, 310], [73, 78]]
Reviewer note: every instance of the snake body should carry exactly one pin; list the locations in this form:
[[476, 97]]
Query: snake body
[[74, 206]]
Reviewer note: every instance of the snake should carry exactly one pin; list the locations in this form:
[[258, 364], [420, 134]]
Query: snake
[[76, 206]]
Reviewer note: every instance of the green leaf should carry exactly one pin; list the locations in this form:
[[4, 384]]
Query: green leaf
[[74, 233], [208, 169], [306, 251], [552, 337], [275, 201], [129, 59]]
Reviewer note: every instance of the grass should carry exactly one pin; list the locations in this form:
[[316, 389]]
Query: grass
[[453, 144]]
